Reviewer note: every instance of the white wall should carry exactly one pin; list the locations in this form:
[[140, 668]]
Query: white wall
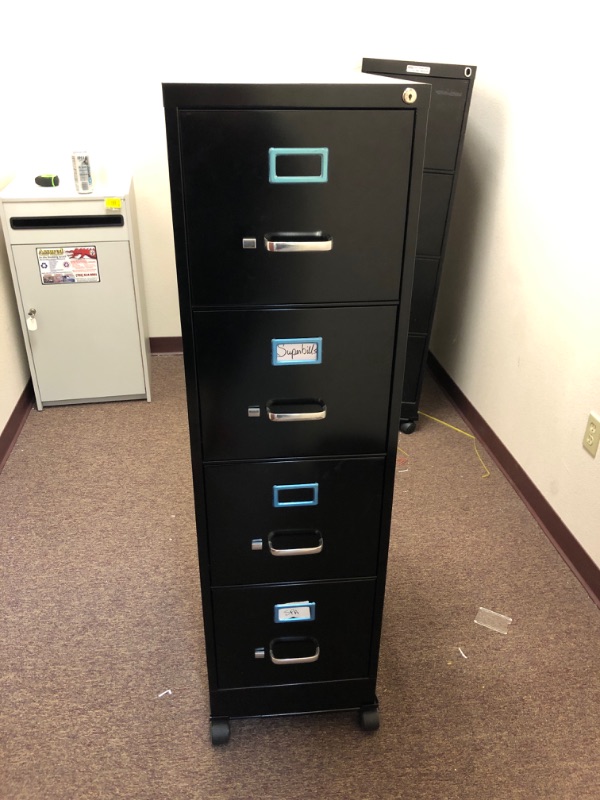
[[512, 328]]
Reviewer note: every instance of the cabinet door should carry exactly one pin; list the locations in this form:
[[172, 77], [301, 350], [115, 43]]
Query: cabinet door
[[282, 521], [87, 343], [316, 178], [293, 633], [307, 382]]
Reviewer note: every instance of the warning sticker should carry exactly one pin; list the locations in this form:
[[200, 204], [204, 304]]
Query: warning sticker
[[68, 264]]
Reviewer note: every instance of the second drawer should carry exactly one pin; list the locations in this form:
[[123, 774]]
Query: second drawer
[[293, 520]]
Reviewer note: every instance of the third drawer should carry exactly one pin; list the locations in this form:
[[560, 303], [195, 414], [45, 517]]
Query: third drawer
[[293, 520]]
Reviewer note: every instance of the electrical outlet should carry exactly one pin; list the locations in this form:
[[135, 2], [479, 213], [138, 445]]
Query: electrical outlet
[[592, 435]]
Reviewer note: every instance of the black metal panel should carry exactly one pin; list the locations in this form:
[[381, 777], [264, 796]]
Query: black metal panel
[[285, 95], [345, 519], [423, 297], [341, 629], [415, 353], [361, 206], [234, 354], [448, 102], [435, 202], [452, 87], [295, 698]]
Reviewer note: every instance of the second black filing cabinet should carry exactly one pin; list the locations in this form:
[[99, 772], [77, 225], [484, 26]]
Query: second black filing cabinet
[[295, 212], [452, 87]]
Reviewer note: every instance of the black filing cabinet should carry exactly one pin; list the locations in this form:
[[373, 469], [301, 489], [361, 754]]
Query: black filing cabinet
[[452, 86], [295, 213]]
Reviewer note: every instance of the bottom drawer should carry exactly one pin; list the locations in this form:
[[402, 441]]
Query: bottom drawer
[[293, 633]]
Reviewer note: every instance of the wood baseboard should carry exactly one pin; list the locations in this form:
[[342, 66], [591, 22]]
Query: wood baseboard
[[164, 345], [15, 423], [584, 568]]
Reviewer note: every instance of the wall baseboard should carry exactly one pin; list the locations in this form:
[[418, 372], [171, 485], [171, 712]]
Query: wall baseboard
[[13, 427], [584, 568], [166, 345]]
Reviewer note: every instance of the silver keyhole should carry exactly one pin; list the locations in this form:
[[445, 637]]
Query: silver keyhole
[[409, 95]]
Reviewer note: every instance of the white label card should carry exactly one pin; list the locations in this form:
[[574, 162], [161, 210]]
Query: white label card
[[296, 351], [294, 612], [418, 70]]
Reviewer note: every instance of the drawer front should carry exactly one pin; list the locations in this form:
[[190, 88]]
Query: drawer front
[[301, 382], [277, 522], [251, 174], [253, 649]]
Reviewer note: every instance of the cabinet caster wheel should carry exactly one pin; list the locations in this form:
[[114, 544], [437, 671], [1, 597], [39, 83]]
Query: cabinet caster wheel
[[220, 731], [408, 426], [369, 719]]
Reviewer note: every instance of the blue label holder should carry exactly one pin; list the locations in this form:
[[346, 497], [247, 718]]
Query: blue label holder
[[298, 151], [278, 502]]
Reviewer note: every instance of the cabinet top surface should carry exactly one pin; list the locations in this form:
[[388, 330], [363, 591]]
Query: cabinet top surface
[[329, 90], [24, 189]]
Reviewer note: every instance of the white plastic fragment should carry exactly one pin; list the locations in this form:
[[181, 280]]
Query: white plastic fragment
[[167, 691], [492, 620], [461, 652]]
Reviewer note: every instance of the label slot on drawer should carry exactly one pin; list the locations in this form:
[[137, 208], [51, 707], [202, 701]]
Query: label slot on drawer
[[299, 494]]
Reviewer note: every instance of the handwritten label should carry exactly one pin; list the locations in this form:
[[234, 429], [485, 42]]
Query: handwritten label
[[294, 612], [296, 351]]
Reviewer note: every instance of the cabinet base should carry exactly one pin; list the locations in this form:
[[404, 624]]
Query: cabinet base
[[368, 719]]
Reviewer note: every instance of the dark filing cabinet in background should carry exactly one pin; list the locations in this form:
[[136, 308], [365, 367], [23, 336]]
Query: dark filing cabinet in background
[[452, 86], [295, 213]]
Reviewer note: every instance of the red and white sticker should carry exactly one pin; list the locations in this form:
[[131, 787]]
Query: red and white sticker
[[64, 265]]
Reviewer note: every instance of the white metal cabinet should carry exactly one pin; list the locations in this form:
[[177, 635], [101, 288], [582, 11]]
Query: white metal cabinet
[[89, 343]]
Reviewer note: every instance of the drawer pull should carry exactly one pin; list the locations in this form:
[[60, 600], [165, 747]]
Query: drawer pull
[[317, 242], [296, 410], [294, 641], [295, 551]]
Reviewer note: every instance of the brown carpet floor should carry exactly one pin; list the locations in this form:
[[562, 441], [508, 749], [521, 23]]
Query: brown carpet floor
[[102, 677]]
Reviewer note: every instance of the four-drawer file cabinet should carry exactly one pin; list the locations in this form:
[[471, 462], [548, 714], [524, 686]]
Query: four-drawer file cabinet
[[295, 211]]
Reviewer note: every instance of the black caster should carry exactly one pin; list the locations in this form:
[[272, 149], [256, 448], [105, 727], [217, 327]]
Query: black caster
[[408, 426], [220, 730], [369, 718]]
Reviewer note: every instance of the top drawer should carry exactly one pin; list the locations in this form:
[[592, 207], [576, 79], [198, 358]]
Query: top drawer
[[295, 206], [70, 221]]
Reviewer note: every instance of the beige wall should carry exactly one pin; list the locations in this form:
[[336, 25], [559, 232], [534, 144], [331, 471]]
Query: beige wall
[[518, 317], [14, 372], [518, 321]]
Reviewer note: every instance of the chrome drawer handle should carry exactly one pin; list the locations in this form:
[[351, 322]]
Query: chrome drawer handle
[[297, 660], [303, 416], [296, 416], [295, 551], [298, 242]]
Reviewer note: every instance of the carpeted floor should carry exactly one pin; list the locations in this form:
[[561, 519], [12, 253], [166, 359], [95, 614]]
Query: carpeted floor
[[102, 676]]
